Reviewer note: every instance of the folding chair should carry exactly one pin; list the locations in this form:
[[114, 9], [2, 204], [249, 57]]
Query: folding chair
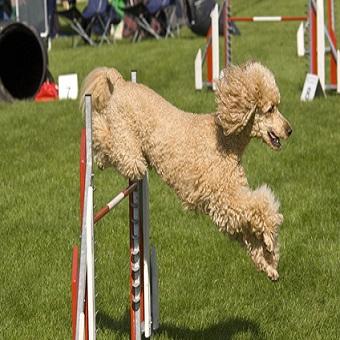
[[99, 16], [165, 12], [140, 14], [151, 18], [76, 20], [172, 20]]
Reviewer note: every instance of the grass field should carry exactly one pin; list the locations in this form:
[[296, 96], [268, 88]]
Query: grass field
[[209, 289]]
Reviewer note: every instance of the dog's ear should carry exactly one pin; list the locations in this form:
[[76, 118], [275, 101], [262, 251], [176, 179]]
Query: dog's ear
[[236, 99]]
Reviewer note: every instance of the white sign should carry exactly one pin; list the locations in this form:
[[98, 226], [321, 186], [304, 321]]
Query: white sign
[[311, 88], [68, 86]]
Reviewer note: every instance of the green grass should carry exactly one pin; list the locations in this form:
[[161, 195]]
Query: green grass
[[209, 289]]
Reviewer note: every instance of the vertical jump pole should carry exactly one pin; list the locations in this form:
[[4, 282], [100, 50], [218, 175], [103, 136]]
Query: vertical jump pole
[[338, 73], [320, 23], [198, 71], [135, 258], [75, 254], [215, 46], [209, 56], [88, 219], [313, 66], [332, 35], [300, 40], [144, 196], [74, 289], [86, 280], [82, 171], [227, 35], [135, 267]]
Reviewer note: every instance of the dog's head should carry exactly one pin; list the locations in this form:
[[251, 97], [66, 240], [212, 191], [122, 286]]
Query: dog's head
[[247, 95]]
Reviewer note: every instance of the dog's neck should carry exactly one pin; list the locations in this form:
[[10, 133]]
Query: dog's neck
[[234, 145]]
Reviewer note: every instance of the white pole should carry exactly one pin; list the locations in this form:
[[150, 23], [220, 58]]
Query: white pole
[[320, 22], [83, 247], [300, 39], [90, 265], [81, 333], [134, 76], [154, 290], [215, 46], [17, 14], [198, 71], [146, 256], [269, 19]]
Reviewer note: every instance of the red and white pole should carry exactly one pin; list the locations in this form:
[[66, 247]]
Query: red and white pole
[[332, 36], [313, 39], [114, 202], [268, 18]]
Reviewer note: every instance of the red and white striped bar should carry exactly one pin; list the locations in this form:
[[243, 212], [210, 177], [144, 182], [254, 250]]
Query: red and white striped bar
[[114, 202], [268, 18]]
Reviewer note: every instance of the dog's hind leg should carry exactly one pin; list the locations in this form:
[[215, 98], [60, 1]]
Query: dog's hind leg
[[115, 145]]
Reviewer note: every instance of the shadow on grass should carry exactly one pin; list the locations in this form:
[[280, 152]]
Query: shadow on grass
[[225, 330]]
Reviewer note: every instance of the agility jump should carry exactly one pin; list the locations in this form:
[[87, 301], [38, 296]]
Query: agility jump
[[318, 34], [144, 307]]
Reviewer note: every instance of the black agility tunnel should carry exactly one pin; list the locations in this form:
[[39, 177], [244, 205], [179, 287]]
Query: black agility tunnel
[[23, 61]]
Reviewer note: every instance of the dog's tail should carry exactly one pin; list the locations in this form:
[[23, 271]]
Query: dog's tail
[[99, 83]]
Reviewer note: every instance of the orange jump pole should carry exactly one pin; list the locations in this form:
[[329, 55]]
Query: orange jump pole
[[332, 36]]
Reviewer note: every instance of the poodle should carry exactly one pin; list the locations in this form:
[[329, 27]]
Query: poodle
[[198, 155]]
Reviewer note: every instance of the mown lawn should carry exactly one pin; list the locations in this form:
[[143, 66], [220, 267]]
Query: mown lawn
[[209, 289]]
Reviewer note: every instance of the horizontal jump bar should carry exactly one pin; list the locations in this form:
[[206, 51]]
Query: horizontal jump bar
[[268, 19], [114, 202]]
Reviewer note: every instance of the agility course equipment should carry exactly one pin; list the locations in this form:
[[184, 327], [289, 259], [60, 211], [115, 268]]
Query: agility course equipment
[[318, 34], [23, 66], [228, 18], [212, 46], [211, 54], [143, 291]]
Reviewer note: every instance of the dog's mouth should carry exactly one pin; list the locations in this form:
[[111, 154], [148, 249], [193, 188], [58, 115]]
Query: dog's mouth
[[274, 140]]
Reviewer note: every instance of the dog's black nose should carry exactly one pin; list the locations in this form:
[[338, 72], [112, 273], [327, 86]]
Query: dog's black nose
[[289, 131]]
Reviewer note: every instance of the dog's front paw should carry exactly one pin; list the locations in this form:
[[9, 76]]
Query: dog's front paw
[[272, 274]]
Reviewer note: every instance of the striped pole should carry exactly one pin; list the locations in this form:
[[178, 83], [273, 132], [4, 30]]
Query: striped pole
[[114, 202], [135, 267], [268, 18], [227, 35], [136, 256]]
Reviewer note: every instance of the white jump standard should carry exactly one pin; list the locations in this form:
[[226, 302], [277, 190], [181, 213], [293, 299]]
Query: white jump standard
[[144, 309], [320, 33]]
